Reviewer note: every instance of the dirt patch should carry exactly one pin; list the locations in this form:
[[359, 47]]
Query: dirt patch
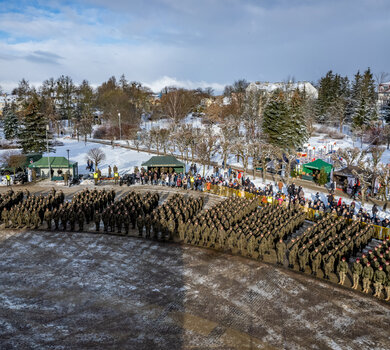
[[70, 290]]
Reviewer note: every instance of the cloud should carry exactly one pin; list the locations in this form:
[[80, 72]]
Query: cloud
[[43, 57], [199, 42], [159, 84]]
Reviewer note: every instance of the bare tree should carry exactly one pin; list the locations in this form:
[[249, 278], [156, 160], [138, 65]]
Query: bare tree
[[164, 135], [134, 137], [177, 103], [154, 135], [364, 178], [265, 155], [245, 151], [376, 155], [384, 178], [381, 77], [386, 135], [284, 159], [369, 169], [195, 138], [229, 132], [97, 155], [337, 112], [178, 139], [348, 156], [207, 148], [14, 160], [252, 112], [146, 139]]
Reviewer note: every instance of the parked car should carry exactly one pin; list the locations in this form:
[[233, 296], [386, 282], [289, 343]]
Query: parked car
[[20, 178], [128, 179]]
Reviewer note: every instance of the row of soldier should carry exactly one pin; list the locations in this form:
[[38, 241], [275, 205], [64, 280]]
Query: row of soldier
[[133, 209], [330, 243], [29, 211], [9, 199], [80, 210], [236, 224], [374, 267], [251, 230]]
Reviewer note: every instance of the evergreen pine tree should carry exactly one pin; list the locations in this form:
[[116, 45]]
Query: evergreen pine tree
[[360, 115], [363, 99], [11, 123], [324, 95], [297, 131], [32, 136], [275, 117], [284, 121], [323, 178], [332, 87]]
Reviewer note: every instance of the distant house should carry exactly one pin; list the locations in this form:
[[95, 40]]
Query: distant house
[[6, 99], [383, 93], [268, 87]]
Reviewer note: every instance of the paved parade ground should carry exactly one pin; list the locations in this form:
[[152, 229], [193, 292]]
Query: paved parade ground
[[63, 290]]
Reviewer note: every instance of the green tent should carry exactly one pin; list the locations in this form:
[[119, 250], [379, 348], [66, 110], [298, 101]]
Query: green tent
[[165, 162], [56, 163], [318, 164]]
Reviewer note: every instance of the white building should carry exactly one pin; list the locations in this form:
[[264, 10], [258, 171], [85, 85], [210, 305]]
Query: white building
[[6, 99], [269, 87], [383, 93]]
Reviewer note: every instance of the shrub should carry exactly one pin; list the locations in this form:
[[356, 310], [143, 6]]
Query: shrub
[[109, 132]]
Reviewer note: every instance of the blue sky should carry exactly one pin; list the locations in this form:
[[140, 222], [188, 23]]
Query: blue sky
[[191, 43]]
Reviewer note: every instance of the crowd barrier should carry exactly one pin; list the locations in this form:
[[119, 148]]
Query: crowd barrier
[[311, 214]]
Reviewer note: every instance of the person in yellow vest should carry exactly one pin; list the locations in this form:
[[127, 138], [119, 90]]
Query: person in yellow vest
[[192, 181], [116, 177], [96, 177], [8, 177]]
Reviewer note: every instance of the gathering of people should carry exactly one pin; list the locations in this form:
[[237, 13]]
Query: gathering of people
[[333, 243], [320, 204]]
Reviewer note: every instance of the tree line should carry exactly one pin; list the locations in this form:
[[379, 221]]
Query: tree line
[[82, 106], [284, 118]]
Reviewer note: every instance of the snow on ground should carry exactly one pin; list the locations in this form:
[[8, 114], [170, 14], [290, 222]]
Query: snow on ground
[[124, 159]]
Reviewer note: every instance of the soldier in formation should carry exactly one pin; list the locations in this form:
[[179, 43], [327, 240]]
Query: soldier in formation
[[23, 210], [133, 209], [241, 225]]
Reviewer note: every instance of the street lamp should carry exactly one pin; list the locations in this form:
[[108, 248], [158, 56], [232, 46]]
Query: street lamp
[[120, 126], [68, 160], [48, 153]]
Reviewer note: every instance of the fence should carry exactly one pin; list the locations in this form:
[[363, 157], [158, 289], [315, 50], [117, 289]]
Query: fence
[[311, 214]]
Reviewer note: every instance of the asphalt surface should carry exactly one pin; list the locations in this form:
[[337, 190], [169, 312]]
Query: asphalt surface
[[63, 290]]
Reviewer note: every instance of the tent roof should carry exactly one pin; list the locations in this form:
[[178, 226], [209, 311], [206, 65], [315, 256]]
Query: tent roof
[[318, 164], [55, 162], [163, 161]]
